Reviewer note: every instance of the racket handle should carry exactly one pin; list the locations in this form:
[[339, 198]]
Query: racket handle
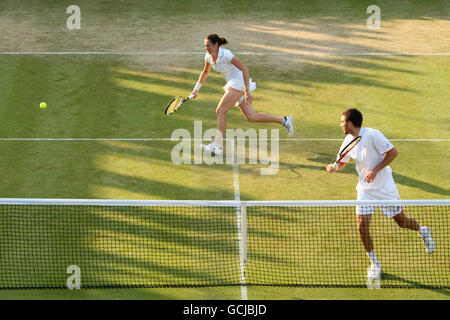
[[335, 166], [191, 96]]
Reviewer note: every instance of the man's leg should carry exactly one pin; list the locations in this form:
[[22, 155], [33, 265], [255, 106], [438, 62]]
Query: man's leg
[[404, 222], [364, 214], [374, 271], [364, 232], [425, 233]]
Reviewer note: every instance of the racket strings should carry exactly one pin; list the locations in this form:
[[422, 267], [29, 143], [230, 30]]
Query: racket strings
[[347, 148], [350, 147], [174, 105]]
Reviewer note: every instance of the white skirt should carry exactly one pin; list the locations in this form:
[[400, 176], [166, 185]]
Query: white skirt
[[238, 84]]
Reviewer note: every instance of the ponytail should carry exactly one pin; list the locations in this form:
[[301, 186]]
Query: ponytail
[[214, 38], [222, 41]]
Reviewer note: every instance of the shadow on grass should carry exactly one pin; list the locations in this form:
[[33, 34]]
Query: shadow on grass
[[398, 178], [422, 185], [392, 277]]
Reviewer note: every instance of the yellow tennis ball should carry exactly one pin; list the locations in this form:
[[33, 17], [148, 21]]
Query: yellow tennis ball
[[43, 105]]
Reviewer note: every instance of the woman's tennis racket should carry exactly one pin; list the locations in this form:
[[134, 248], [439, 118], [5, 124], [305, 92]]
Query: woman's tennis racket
[[345, 151], [176, 103]]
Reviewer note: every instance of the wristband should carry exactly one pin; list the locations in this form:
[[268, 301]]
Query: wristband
[[197, 87]]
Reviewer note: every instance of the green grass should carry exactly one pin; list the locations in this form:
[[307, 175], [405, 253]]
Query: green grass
[[406, 97]]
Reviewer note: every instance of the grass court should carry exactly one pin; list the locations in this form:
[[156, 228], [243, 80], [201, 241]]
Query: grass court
[[309, 59]]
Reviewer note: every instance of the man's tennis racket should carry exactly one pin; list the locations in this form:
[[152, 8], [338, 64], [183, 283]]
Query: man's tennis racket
[[345, 151], [176, 103]]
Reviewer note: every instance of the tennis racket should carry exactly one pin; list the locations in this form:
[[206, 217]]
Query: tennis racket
[[176, 103], [345, 151]]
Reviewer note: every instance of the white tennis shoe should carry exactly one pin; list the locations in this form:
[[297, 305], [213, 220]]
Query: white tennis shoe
[[288, 123], [213, 148], [374, 272], [425, 234]]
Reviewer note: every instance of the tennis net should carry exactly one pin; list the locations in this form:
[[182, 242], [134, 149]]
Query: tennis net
[[47, 243]]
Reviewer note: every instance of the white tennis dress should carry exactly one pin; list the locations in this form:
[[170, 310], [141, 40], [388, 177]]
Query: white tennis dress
[[229, 71], [368, 153]]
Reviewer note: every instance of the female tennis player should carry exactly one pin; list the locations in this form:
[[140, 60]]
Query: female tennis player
[[237, 90]]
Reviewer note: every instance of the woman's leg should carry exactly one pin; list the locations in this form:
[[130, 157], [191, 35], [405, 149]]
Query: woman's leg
[[252, 116], [226, 103]]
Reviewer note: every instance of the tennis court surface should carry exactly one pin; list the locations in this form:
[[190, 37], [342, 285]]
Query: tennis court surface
[[104, 136]]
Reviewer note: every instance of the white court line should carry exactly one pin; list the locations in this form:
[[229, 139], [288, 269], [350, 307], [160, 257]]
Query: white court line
[[158, 53], [169, 139], [237, 197]]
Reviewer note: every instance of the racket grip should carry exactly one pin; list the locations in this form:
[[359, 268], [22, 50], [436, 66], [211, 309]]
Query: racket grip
[[335, 166], [191, 96]]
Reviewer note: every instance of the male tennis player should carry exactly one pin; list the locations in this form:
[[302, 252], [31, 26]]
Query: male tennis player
[[373, 154], [237, 90]]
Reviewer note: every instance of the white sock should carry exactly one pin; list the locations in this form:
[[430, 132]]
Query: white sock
[[373, 257]]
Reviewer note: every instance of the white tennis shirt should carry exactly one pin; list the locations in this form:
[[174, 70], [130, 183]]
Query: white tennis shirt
[[368, 153], [223, 65]]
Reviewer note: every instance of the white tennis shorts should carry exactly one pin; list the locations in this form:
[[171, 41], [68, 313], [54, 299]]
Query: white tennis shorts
[[238, 84], [388, 211]]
